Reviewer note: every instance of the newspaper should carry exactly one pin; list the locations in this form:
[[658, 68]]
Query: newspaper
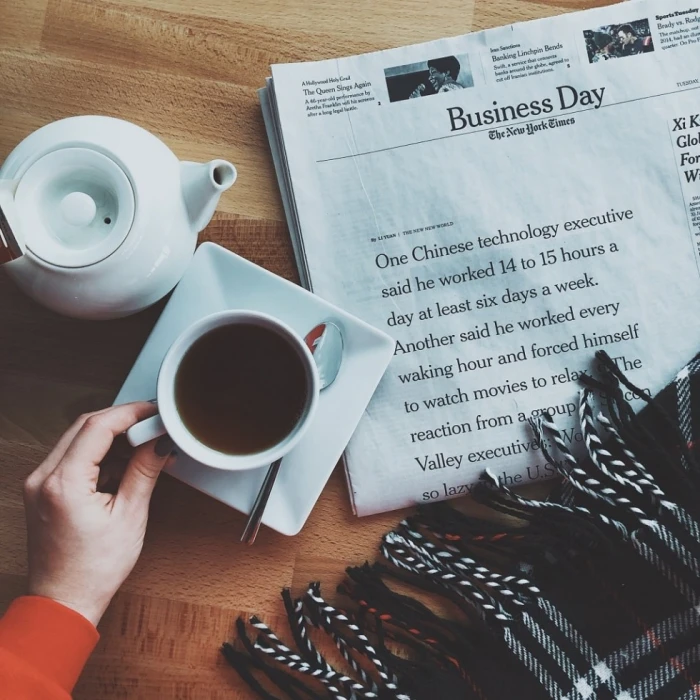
[[505, 204]]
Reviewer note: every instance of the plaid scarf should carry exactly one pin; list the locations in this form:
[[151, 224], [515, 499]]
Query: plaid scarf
[[592, 593]]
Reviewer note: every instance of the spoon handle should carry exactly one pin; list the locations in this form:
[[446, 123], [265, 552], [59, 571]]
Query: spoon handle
[[258, 510]]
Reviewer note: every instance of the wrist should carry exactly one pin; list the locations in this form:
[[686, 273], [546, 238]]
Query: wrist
[[92, 613], [91, 610]]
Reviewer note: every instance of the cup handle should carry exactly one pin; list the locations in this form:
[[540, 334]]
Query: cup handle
[[146, 430]]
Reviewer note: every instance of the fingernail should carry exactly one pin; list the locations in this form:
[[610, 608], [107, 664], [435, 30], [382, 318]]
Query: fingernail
[[153, 401], [164, 446]]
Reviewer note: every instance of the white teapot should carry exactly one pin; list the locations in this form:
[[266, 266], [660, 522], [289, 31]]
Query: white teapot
[[99, 219]]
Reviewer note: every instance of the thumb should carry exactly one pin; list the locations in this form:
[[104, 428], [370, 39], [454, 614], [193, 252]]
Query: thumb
[[143, 470]]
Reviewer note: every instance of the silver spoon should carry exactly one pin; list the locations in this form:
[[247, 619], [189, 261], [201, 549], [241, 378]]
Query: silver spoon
[[326, 344]]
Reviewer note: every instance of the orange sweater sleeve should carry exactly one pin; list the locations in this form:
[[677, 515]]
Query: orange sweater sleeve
[[43, 648]]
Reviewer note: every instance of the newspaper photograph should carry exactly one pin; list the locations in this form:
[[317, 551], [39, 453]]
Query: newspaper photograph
[[542, 205]]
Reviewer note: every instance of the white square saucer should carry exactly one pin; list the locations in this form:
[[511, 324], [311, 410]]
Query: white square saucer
[[217, 280]]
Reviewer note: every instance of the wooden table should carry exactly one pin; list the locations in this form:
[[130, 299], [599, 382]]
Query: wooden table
[[188, 71]]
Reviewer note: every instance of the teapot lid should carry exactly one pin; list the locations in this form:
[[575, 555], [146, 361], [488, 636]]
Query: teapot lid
[[76, 206]]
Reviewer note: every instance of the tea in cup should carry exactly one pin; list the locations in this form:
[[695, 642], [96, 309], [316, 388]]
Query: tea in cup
[[237, 390]]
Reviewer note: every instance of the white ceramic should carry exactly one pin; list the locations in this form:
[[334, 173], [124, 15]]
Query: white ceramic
[[168, 418], [104, 218], [217, 280]]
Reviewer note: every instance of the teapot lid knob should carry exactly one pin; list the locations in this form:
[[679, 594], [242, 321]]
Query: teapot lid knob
[[77, 207]]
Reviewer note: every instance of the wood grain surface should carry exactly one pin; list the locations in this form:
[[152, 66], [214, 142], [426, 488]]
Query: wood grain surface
[[188, 71]]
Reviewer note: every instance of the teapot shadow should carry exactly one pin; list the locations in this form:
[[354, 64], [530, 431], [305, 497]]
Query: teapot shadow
[[54, 368]]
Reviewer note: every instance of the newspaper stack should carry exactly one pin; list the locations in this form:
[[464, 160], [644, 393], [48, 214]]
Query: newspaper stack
[[505, 204]]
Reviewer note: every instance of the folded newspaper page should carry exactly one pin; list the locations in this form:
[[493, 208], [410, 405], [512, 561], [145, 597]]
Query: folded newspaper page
[[505, 204]]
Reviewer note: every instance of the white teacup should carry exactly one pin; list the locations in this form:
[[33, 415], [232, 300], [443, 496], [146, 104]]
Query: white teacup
[[169, 420]]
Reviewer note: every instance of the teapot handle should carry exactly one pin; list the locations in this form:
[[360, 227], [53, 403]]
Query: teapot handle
[[11, 244]]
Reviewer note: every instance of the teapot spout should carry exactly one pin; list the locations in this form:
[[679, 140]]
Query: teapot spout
[[11, 241], [202, 185]]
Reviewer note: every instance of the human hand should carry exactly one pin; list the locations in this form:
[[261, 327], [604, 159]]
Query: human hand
[[418, 92], [82, 544]]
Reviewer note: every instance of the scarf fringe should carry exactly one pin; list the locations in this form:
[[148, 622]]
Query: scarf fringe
[[632, 492]]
